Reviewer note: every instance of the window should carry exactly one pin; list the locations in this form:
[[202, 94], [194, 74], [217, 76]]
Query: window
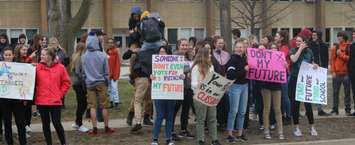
[[79, 34], [30, 33], [273, 31], [327, 35], [288, 31], [335, 33], [295, 31], [199, 33], [185, 33], [14, 33], [172, 36], [3, 31]]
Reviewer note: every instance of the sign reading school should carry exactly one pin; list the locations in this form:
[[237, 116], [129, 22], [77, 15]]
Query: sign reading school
[[17, 80], [312, 84], [167, 83], [266, 65], [212, 89]]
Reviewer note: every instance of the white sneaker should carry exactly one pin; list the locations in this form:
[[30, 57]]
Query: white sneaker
[[154, 143], [314, 131], [297, 132], [171, 143], [28, 135], [28, 129], [75, 126], [83, 129], [272, 127]]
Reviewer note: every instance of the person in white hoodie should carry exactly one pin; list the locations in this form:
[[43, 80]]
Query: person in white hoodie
[[202, 65]]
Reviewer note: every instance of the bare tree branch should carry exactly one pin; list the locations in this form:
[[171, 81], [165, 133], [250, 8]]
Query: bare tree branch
[[79, 19], [239, 24], [275, 14]]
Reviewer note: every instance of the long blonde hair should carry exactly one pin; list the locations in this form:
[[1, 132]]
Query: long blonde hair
[[203, 61], [79, 51]]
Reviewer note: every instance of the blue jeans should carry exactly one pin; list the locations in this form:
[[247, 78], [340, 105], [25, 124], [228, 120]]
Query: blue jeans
[[113, 91], [164, 109], [286, 103], [151, 45], [238, 101]]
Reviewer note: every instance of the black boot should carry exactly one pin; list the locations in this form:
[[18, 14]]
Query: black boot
[[146, 120], [130, 118]]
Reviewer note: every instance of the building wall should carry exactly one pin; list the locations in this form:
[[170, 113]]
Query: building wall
[[19, 14]]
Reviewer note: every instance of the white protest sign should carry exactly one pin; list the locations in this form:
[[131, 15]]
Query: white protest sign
[[311, 84], [17, 80], [212, 89], [167, 71]]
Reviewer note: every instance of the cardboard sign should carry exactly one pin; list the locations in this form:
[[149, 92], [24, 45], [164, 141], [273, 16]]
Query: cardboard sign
[[312, 84], [212, 89], [266, 65], [17, 80], [167, 71]]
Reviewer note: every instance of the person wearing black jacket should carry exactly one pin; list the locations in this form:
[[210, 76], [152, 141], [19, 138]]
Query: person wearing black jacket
[[133, 23], [237, 68], [321, 57], [351, 67]]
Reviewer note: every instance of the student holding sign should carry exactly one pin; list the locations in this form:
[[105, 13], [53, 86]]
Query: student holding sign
[[164, 109], [272, 92], [14, 107], [202, 65], [237, 68], [297, 55]]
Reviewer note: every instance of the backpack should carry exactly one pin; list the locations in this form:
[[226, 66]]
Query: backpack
[[151, 30]]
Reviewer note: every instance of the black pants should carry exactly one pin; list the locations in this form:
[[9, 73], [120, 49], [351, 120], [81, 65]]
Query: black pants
[[16, 108], [186, 104], [295, 105], [28, 113], [80, 91], [352, 81], [48, 113], [223, 109]]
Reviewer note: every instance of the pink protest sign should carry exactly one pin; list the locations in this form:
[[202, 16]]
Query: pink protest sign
[[266, 65]]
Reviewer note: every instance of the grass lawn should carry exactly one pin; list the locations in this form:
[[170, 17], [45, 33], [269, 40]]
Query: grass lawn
[[125, 92]]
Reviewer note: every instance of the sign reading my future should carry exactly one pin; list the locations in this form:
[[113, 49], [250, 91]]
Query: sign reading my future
[[266, 65], [167, 83], [312, 84]]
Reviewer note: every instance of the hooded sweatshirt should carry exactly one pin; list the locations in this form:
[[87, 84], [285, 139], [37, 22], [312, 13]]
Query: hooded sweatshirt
[[95, 63]]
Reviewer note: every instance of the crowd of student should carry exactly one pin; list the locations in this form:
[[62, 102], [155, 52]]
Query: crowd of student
[[96, 69]]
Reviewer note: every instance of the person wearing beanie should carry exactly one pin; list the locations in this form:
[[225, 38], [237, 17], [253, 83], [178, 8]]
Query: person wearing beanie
[[96, 75], [321, 57], [339, 71]]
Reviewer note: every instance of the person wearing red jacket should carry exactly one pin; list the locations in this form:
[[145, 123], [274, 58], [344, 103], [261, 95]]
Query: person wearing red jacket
[[52, 83], [114, 64]]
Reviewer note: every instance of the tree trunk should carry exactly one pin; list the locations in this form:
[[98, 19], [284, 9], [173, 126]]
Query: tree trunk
[[264, 24], [225, 22], [62, 25]]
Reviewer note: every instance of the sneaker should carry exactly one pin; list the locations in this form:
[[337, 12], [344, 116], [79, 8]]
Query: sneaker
[[92, 133], [334, 113], [28, 129], [313, 131], [267, 135], [154, 143], [352, 114], [186, 134], [322, 113], [241, 139], [261, 127], [175, 137], [83, 129], [76, 127], [201, 142], [171, 143], [272, 127], [109, 130], [28, 135], [297, 132], [216, 142], [147, 121], [136, 127], [231, 139], [281, 137]]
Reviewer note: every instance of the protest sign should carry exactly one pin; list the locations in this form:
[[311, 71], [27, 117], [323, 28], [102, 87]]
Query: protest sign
[[17, 80], [167, 83], [212, 89], [266, 65], [312, 84]]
